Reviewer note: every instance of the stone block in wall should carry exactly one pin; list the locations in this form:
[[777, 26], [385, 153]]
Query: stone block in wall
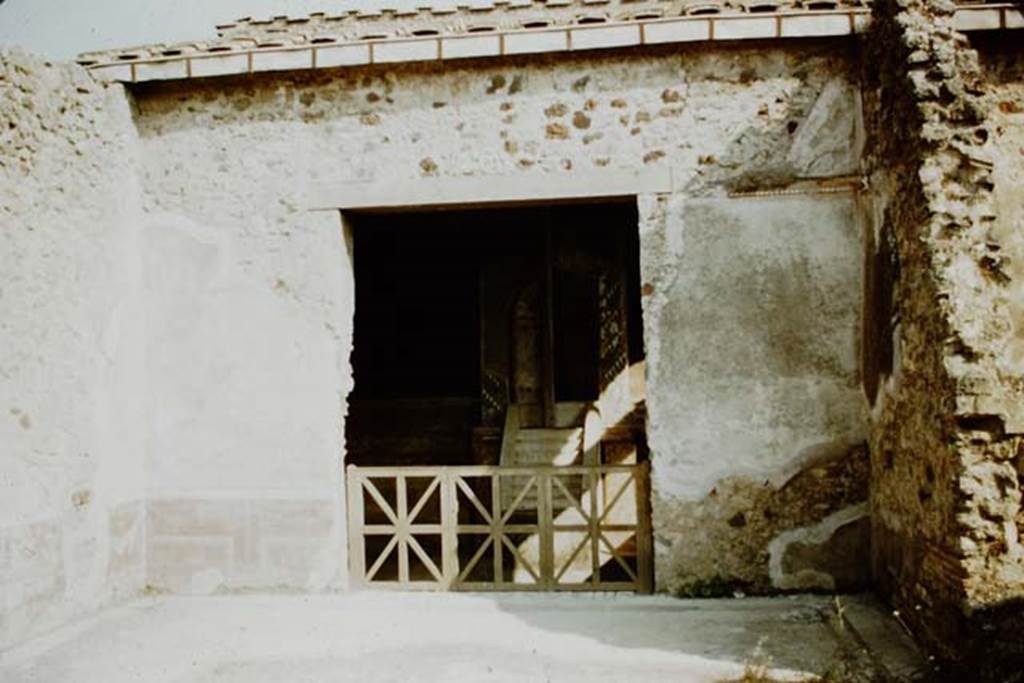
[[829, 555], [1005, 404], [825, 143]]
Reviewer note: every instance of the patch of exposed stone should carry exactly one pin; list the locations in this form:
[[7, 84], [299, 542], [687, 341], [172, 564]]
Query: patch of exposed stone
[[807, 534], [827, 555], [946, 489], [554, 114], [43, 104]]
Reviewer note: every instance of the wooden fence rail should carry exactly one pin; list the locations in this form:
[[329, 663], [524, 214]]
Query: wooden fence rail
[[484, 528]]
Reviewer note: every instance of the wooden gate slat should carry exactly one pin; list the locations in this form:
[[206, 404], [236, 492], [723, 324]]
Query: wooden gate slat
[[546, 534], [422, 501], [516, 502], [615, 499], [471, 495], [377, 496], [424, 558], [644, 536], [496, 529], [356, 540], [372, 572], [573, 501], [473, 561], [526, 565], [402, 534], [593, 529], [572, 558], [449, 533], [618, 558]]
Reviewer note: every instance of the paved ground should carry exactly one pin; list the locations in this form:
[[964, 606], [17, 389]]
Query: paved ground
[[370, 637]]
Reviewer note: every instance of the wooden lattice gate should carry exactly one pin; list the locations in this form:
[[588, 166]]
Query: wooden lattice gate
[[452, 528]]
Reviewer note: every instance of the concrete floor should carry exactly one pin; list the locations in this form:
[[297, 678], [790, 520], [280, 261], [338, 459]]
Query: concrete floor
[[370, 637]]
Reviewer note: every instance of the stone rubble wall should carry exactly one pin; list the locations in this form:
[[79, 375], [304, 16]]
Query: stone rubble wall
[[251, 322], [71, 396], [996, 588], [942, 351]]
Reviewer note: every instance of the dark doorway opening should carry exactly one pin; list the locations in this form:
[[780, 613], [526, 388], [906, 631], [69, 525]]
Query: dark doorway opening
[[461, 314], [417, 307]]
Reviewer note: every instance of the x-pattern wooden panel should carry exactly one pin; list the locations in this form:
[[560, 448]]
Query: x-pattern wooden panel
[[545, 503], [402, 528], [497, 524]]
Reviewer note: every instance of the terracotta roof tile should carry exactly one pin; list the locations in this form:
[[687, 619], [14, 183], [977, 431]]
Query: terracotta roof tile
[[515, 19]]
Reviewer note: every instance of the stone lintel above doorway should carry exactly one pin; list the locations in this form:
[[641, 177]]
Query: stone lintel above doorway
[[417, 193]]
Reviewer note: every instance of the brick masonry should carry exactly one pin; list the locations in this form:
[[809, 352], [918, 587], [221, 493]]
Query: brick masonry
[[942, 356]]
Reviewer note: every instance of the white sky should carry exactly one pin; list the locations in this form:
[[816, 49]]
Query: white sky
[[61, 29]]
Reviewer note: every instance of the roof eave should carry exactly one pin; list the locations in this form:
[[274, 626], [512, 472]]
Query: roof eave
[[240, 60]]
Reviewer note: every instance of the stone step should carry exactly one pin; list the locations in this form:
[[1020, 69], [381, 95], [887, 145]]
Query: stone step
[[549, 434], [528, 438], [543, 447], [547, 446]]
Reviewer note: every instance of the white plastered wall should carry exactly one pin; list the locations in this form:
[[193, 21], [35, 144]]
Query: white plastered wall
[[248, 377], [72, 406], [247, 351]]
